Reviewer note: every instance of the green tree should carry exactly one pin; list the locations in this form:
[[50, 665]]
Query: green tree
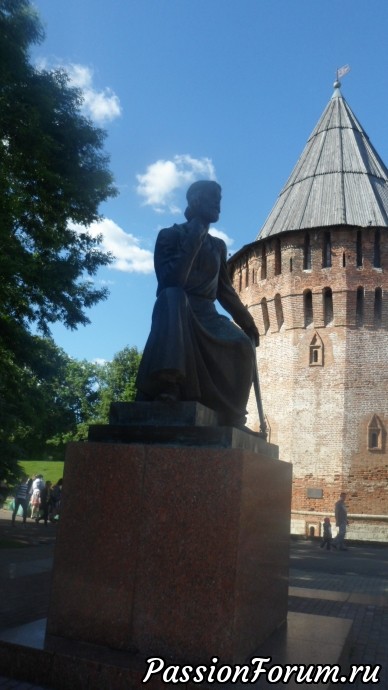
[[118, 379], [32, 409], [79, 394], [84, 393], [53, 176]]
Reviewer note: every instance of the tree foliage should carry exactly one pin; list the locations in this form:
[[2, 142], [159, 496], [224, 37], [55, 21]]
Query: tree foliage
[[53, 175], [85, 391], [79, 392], [31, 410], [118, 379], [59, 398]]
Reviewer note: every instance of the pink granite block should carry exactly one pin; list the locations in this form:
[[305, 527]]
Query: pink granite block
[[96, 551], [213, 554], [263, 551], [179, 552], [189, 532]]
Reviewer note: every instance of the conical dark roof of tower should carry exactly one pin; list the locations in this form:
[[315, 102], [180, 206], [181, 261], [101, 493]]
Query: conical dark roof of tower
[[338, 180]]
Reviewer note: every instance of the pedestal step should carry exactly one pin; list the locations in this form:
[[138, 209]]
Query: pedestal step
[[161, 414], [199, 436], [305, 640]]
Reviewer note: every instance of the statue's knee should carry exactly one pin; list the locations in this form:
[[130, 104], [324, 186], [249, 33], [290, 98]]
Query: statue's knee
[[173, 295], [172, 291]]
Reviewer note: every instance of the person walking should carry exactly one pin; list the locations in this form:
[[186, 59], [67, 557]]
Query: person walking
[[341, 520], [21, 498], [45, 503], [56, 498], [327, 536]]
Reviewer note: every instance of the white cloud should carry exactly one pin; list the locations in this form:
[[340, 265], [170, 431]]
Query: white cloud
[[159, 184], [101, 106], [128, 255], [222, 235]]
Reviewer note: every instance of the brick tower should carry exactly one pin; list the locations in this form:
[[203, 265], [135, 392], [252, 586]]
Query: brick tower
[[316, 282]]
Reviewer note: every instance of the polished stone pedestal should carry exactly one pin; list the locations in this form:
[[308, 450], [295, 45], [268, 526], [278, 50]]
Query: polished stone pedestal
[[176, 424], [306, 639], [172, 545], [174, 551]]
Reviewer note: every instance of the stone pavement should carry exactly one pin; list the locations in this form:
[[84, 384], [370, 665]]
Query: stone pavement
[[352, 584]]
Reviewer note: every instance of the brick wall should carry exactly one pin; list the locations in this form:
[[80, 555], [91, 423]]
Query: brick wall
[[323, 412]]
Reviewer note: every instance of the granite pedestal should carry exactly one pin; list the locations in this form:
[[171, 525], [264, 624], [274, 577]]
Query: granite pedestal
[[306, 640], [171, 550]]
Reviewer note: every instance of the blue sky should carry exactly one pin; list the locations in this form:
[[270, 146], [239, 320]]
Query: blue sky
[[192, 89]]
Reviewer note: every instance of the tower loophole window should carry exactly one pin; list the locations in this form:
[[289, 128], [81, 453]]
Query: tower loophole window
[[375, 434], [377, 249], [279, 311], [315, 355], [326, 251], [328, 310], [308, 308], [264, 310], [263, 262], [316, 352], [360, 306], [307, 253], [378, 306], [278, 257], [359, 249]]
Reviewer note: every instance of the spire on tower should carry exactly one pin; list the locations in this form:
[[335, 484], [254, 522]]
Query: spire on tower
[[338, 180]]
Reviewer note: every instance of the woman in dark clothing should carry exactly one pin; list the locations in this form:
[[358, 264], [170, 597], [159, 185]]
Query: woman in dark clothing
[[45, 503]]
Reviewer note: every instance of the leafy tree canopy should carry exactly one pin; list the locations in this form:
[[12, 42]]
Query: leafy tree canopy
[[88, 389], [53, 174], [118, 379], [54, 401]]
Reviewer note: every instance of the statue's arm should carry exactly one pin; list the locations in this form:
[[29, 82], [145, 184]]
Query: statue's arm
[[175, 251], [230, 301]]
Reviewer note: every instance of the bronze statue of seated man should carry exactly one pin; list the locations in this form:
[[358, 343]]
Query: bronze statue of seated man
[[193, 352]]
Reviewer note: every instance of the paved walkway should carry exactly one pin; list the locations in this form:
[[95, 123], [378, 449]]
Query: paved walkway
[[352, 584]]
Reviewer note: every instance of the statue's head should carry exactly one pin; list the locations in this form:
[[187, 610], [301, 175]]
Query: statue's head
[[204, 200]]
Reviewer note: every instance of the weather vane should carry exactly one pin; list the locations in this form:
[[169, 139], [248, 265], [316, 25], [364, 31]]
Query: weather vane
[[341, 71]]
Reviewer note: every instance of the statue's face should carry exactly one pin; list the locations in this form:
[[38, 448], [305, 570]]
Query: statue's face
[[208, 204]]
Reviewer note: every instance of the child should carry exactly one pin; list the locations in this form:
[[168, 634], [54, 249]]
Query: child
[[326, 534], [35, 503]]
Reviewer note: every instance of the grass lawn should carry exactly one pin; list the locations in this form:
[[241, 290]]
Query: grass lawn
[[51, 470]]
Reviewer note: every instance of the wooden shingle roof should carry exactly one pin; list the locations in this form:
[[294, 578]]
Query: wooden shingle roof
[[338, 180]]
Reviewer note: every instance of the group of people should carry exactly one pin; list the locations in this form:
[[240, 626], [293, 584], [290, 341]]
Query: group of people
[[341, 521], [42, 497]]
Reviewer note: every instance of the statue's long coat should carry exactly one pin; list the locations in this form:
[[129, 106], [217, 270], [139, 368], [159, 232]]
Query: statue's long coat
[[210, 356]]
